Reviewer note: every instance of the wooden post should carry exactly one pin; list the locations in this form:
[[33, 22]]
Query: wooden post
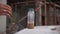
[[50, 14], [38, 13], [55, 14], [45, 12]]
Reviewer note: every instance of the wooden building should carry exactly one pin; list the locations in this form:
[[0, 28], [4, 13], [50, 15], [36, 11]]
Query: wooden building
[[47, 12]]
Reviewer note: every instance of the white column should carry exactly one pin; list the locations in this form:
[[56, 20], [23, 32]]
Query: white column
[[31, 16], [3, 19]]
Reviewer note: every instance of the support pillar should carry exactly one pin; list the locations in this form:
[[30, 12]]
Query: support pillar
[[4, 10], [45, 12], [38, 13]]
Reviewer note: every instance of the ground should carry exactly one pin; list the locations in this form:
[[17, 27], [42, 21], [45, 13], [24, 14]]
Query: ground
[[40, 30]]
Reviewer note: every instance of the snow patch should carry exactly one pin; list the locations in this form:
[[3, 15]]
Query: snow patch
[[39, 30]]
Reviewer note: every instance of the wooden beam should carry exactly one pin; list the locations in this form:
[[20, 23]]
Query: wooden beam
[[25, 2]]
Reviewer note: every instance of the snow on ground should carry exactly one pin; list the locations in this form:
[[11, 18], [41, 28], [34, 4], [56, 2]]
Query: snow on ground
[[39, 30]]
